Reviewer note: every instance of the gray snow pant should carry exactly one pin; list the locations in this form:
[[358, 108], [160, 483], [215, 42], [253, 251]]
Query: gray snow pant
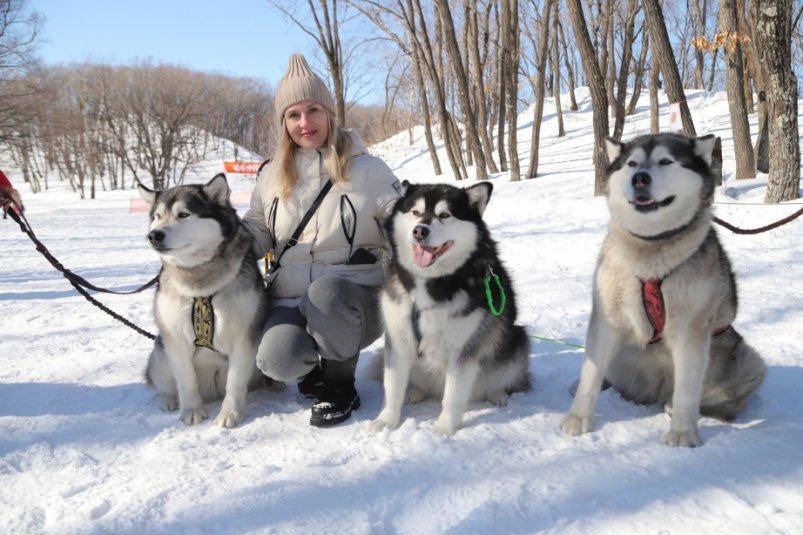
[[336, 319]]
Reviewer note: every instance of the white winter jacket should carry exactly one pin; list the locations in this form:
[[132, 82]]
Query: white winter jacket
[[357, 206]]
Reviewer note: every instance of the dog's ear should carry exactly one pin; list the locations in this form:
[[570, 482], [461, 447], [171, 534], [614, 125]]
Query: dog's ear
[[704, 147], [148, 195], [613, 147], [479, 194], [218, 189], [405, 185]]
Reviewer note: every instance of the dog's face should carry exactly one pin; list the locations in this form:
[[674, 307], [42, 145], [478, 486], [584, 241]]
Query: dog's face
[[658, 183], [189, 223], [434, 228]]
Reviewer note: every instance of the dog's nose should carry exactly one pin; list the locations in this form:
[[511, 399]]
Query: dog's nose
[[641, 180], [155, 237], [420, 232]]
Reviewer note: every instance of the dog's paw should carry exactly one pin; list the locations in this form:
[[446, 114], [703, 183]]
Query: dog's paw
[[685, 439], [446, 426], [168, 402], [383, 422], [229, 419], [193, 416], [574, 425], [499, 399]]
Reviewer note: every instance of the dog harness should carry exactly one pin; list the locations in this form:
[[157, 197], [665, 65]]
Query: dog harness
[[203, 322], [653, 300]]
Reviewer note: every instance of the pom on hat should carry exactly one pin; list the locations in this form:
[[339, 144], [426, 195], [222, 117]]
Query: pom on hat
[[298, 84]]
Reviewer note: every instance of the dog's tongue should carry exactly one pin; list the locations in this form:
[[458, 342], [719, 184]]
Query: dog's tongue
[[423, 255]]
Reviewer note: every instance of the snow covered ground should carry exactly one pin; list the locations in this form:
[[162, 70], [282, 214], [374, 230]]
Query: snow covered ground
[[85, 449]]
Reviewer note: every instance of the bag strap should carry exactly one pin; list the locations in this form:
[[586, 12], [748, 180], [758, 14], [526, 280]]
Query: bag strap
[[300, 228]]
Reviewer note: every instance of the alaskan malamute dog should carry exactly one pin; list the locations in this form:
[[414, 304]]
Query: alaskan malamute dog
[[664, 294], [210, 304], [448, 307]]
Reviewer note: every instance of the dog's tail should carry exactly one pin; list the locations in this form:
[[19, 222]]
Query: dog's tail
[[735, 371]]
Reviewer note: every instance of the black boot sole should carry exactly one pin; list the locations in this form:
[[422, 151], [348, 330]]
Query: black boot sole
[[322, 421]]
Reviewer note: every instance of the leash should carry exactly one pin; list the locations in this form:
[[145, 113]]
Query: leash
[[79, 283], [758, 230], [563, 342]]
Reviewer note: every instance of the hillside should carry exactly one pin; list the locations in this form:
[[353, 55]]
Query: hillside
[[84, 448]]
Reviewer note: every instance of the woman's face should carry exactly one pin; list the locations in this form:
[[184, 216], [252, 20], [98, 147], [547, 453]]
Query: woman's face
[[307, 123]]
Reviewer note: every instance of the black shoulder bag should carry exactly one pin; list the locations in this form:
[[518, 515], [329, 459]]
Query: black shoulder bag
[[272, 265]]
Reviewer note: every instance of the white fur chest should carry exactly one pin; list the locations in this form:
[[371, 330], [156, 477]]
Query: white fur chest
[[443, 327]]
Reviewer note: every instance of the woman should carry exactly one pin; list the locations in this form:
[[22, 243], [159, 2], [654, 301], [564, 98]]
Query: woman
[[325, 290]]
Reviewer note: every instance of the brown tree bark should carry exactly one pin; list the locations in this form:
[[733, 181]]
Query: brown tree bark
[[742, 144], [463, 91], [669, 67], [599, 98], [543, 54], [773, 43]]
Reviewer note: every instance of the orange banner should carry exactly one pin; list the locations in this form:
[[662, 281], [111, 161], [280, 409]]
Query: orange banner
[[242, 167]]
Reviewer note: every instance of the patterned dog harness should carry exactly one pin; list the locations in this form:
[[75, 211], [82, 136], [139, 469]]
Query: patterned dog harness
[[203, 322], [653, 300]]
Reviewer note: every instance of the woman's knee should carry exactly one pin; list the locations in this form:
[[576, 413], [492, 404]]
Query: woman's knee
[[286, 352]]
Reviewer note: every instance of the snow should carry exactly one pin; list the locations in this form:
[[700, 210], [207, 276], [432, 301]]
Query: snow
[[84, 447]]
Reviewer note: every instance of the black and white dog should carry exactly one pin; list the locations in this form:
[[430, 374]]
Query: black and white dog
[[449, 308], [210, 304]]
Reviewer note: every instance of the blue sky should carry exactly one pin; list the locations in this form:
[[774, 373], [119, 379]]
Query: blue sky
[[232, 37]]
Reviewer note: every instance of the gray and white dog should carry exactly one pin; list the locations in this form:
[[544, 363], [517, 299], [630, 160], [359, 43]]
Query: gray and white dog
[[210, 304], [664, 295], [449, 308]]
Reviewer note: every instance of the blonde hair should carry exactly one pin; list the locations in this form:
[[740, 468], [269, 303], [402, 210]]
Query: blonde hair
[[338, 145]]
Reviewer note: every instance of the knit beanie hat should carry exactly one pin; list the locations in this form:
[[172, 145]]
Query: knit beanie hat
[[300, 83]]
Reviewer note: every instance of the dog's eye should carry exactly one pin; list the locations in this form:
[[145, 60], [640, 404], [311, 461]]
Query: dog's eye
[[444, 215], [632, 163], [416, 213], [665, 161], [183, 215]]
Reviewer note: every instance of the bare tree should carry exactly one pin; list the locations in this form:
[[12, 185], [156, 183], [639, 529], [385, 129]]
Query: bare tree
[[554, 66], [773, 43], [538, 114], [326, 34], [742, 144], [599, 98], [18, 34], [463, 91], [659, 38], [624, 69]]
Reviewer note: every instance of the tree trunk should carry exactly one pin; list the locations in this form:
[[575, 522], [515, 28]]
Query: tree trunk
[[742, 144], [638, 76], [414, 9], [599, 99], [624, 69], [463, 91], [669, 67], [773, 42], [512, 83], [555, 67], [543, 53], [477, 72], [569, 70], [699, 59], [655, 81]]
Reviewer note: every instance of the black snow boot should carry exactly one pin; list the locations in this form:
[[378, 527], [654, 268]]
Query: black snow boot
[[337, 396], [312, 383]]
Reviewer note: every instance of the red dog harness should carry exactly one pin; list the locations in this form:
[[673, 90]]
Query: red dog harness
[[653, 300]]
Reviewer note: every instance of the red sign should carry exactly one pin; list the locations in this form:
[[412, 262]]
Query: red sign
[[242, 167]]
